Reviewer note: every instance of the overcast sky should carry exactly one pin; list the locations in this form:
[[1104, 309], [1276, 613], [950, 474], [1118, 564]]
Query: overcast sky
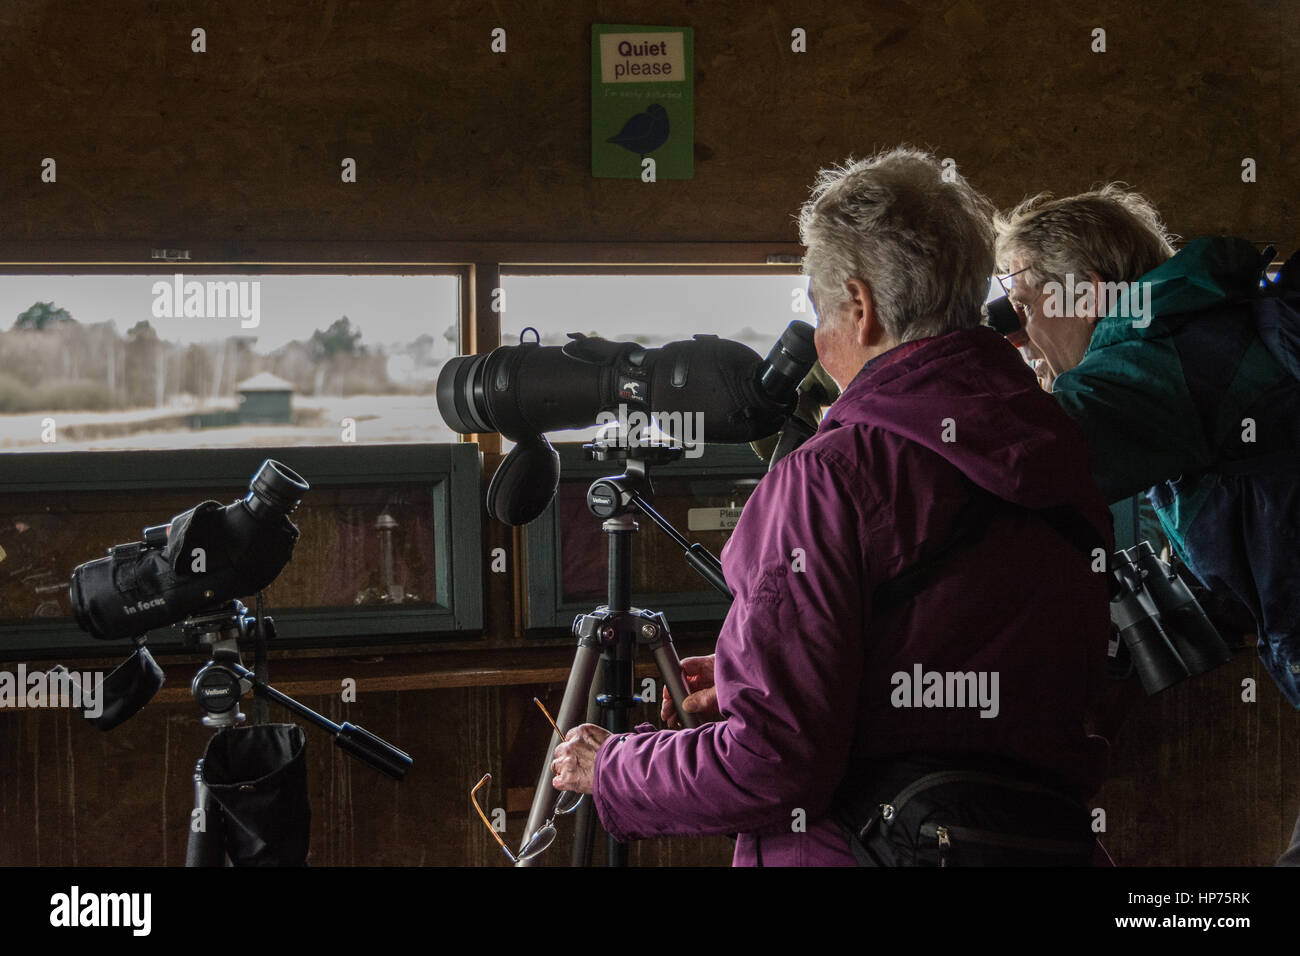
[[397, 309], [394, 310], [386, 308]]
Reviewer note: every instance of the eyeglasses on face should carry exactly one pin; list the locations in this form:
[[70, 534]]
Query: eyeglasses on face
[[1004, 279]]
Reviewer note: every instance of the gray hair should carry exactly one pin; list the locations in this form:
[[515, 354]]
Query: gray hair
[[915, 232], [1111, 231]]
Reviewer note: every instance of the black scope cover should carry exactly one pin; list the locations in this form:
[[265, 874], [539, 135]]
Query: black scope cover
[[213, 554], [525, 390]]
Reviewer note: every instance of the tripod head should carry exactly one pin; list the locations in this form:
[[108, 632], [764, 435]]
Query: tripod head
[[218, 686], [614, 497], [223, 680], [637, 451]]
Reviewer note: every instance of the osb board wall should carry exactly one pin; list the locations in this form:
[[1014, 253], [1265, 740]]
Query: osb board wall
[[1199, 778], [1202, 777], [157, 143], [73, 796]]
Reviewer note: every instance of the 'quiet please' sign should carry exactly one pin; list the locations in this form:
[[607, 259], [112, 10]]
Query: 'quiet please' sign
[[642, 102]]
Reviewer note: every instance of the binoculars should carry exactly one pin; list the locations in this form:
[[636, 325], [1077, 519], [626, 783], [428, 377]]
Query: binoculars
[[1166, 634]]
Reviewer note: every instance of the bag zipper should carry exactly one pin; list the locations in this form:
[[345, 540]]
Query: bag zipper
[[964, 776], [946, 834]]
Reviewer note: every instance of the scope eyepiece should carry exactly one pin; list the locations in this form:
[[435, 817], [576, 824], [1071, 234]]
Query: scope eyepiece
[[789, 361], [274, 491]]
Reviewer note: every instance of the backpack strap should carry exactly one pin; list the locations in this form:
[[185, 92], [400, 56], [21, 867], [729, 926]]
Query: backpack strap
[[972, 523]]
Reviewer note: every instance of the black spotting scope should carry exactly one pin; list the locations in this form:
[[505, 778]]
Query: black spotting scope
[[201, 558], [522, 391]]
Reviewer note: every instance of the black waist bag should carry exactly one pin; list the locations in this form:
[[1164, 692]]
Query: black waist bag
[[964, 817]]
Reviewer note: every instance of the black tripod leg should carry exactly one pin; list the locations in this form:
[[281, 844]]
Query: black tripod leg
[[619, 654], [584, 825], [207, 842], [576, 694], [670, 669], [620, 686]]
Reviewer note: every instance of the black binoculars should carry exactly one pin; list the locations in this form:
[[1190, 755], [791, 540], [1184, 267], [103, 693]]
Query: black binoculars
[[1160, 624]]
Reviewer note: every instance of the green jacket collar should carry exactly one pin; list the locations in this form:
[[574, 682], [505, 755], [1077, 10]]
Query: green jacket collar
[[1206, 272]]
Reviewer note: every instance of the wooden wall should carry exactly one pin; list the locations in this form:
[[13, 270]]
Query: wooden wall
[[240, 147], [452, 141], [72, 796], [1200, 777]]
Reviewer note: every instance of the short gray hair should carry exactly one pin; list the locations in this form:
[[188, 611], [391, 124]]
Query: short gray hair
[[913, 230], [1111, 231]]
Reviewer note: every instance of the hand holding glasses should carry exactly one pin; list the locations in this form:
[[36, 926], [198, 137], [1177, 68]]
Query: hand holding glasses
[[542, 839]]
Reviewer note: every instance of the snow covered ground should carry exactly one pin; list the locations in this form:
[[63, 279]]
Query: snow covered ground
[[377, 418]]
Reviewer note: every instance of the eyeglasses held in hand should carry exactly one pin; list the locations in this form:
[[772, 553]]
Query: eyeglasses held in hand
[[541, 840]]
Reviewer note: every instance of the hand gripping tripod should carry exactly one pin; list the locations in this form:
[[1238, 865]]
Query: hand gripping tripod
[[611, 634]]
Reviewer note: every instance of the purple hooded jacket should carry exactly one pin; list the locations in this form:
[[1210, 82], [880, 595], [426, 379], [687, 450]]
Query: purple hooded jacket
[[808, 677]]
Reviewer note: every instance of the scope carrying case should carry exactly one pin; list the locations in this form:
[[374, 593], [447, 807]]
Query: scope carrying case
[[934, 810]]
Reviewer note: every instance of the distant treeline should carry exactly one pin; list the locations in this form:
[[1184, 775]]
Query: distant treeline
[[54, 363]]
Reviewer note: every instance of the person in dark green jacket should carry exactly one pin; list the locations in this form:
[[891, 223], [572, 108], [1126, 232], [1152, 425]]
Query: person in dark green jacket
[[1184, 371]]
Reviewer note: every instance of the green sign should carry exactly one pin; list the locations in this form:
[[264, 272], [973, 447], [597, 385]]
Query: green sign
[[642, 101]]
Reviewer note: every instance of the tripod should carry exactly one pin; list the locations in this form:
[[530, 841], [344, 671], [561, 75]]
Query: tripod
[[612, 633], [279, 751]]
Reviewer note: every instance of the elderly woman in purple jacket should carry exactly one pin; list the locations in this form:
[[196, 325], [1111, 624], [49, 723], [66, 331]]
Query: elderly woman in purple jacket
[[812, 680]]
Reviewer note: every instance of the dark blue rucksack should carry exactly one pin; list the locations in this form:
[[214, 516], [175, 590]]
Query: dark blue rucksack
[[1278, 316]]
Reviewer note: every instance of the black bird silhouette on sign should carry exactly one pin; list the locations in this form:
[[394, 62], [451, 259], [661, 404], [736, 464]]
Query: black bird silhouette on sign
[[644, 132]]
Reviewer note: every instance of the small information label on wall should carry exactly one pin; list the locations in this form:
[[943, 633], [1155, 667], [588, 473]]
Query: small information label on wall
[[642, 102], [712, 519]]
